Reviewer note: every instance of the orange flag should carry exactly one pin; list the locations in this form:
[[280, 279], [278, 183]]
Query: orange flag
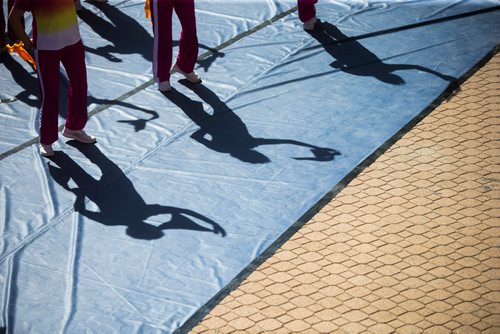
[[21, 51], [147, 9]]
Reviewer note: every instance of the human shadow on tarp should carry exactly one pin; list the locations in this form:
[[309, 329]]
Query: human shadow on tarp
[[117, 200], [353, 58], [29, 95], [25, 79], [210, 57], [225, 132], [125, 33], [128, 36], [139, 123]]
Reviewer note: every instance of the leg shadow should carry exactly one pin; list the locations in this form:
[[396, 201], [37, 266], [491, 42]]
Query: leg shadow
[[24, 79]]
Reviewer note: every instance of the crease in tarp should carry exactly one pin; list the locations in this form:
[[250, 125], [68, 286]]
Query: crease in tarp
[[74, 261], [72, 273], [253, 213], [349, 67]]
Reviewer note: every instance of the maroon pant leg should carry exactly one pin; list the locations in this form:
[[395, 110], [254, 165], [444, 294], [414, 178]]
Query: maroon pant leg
[[161, 13], [73, 60], [307, 9], [48, 77], [188, 42]]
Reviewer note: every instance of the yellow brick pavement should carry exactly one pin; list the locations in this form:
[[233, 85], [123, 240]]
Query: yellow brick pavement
[[409, 246]]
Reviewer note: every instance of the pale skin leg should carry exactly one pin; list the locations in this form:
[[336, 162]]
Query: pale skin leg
[[15, 19]]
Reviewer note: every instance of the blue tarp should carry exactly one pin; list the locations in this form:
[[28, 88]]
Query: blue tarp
[[185, 189]]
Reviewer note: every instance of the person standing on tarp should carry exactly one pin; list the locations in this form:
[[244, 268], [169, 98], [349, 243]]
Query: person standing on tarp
[[161, 14], [307, 13], [56, 40], [10, 34]]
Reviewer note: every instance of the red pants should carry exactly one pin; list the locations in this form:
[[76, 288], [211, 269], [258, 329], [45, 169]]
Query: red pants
[[73, 59], [12, 36], [307, 10], [161, 13]]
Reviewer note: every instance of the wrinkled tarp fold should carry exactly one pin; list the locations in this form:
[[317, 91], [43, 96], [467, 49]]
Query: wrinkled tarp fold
[[184, 189]]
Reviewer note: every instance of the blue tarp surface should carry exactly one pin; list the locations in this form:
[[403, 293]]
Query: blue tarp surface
[[185, 189]]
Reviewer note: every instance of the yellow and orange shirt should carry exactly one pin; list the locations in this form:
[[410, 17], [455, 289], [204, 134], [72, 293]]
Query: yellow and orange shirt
[[55, 24]]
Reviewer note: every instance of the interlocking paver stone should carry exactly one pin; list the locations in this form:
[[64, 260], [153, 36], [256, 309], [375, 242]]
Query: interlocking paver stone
[[409, 246]]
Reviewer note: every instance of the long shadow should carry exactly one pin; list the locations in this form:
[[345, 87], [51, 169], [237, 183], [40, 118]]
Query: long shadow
[[138, 124], [118, 201], [225, 132], [124, 33], [127, 36], [28, 82], [353, 58], [423, 23], [24, 79]]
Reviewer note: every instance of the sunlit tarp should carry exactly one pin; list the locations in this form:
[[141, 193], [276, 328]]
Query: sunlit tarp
[[184, 189]]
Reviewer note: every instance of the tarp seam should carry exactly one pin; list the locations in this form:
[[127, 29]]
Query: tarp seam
[[150, 82]]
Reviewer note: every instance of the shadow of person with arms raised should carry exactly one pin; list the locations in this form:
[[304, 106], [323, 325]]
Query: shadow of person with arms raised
[[353, 58], [128, 36], [118, 201], [225, 132]]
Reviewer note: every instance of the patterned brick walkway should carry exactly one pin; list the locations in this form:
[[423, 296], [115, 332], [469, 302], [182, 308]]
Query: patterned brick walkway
[[409, 246]]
